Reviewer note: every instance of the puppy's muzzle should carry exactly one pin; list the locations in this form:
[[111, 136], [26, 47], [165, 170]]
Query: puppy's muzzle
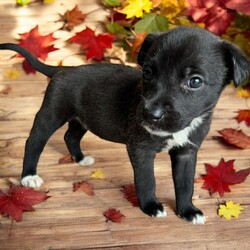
[[158, 113], [153, 114]]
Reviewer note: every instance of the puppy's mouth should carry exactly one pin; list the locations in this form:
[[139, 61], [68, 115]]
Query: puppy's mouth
[[158, 130], [152, 129], [161, 122]]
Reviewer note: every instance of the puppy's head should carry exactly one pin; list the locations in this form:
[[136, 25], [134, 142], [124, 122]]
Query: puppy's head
[[184, 72]]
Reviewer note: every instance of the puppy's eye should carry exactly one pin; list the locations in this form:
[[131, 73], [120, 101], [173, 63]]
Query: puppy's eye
[[147, 74], [195, 82]]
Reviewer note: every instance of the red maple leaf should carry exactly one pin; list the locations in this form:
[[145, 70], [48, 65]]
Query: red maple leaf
[[92, 44], [219, 178], [242, 6], [19, 199], [83, 186], [120, 18], [243, 115], [38, 45], [113, 215], [212, 13], [130, 195], [235, 137]]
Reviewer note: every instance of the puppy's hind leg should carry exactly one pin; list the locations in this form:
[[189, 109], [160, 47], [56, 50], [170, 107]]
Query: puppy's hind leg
[[45, 124], [72, 138]]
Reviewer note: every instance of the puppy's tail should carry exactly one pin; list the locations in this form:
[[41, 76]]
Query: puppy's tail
[[34, 62]]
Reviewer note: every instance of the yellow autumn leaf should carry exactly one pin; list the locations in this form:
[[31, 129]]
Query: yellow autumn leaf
[[48, 1], [173, 8], [12, 73], [98, 174], [243, 93], [230, 210], [136, 8]]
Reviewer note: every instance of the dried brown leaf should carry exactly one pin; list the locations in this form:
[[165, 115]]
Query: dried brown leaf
[[236, 138]]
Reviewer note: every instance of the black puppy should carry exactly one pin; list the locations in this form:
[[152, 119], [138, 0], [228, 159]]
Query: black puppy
[[167, 106]]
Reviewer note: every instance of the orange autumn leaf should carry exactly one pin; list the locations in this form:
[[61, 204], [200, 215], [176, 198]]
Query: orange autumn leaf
[[243, 93], [139, 38], [72, 18], [83, 186], [236, 138], [243, 115], [156, 3], [66, 159]]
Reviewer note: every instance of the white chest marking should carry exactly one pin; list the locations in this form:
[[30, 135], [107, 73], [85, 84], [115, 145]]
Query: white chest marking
[[179, 138]]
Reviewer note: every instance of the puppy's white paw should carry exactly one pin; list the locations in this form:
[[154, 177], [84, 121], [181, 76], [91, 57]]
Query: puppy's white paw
[[199, 219], [33, 181], [160, 213], [86, 161]]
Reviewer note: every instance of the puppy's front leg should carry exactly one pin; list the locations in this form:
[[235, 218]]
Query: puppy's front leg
[[143, 164], [183, 168]]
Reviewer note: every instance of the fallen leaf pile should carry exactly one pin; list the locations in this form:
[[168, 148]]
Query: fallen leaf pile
[[19, 199], [128, 19]]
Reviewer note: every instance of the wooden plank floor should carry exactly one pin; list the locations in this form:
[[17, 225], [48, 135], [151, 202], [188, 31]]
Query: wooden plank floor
[[74, 220]]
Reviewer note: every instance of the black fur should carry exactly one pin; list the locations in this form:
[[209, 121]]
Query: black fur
[[184, 73]]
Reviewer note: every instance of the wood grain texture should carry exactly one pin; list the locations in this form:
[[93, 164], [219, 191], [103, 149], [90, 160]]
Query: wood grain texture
[[70, 220]]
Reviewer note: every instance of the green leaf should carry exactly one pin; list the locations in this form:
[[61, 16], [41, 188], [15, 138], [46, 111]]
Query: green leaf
[[152, 23], [23, 2], [116, 28], [112, 3], [242, 21]]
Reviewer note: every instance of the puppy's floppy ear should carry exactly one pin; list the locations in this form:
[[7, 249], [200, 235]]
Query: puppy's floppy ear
[[146, 45], [238, 64]]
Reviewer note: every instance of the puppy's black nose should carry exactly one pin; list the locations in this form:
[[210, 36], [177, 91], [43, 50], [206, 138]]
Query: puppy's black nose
[[154, 114]]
